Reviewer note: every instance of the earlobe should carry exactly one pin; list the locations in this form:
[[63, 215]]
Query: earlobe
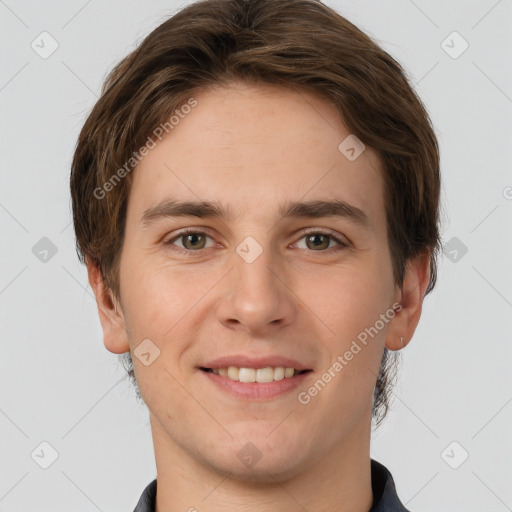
[[412, 292], [112, 321]]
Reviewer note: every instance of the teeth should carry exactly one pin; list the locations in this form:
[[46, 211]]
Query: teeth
[[264, 374], [246, 375], [233, 373], [279, 373], [267, 374]]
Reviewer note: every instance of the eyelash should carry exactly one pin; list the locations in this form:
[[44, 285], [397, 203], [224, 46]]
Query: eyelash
[[309, 231]]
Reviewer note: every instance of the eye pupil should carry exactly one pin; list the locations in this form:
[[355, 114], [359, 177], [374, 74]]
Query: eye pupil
[[312, 237], [192, 238]]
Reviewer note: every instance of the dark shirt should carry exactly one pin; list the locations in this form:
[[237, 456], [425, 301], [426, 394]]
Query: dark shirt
[[385, 498]]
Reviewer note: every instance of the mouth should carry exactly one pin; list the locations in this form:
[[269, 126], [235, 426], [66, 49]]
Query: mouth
[[259, 375]]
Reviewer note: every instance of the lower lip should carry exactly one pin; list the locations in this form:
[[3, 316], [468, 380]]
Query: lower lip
[[256, 390]]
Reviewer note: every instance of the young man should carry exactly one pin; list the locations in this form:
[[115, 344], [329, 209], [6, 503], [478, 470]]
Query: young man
[[255, 196]]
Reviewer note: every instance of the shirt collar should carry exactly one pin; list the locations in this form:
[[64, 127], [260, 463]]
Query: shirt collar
[[385, 498]]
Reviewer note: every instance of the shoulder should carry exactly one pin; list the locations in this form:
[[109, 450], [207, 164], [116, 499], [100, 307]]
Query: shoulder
[[147, 500], [385, 498]]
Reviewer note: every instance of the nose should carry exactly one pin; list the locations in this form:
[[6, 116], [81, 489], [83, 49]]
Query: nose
[[257, 296]]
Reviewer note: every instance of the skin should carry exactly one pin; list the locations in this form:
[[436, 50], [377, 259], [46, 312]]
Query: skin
[[253, 148]]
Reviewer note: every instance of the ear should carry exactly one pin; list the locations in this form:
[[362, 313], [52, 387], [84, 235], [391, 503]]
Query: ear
[[112, 319], [410, 296]]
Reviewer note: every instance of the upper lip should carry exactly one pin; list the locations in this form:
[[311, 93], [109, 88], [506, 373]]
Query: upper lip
[[244, 361]]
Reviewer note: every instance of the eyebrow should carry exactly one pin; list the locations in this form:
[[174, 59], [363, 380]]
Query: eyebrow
[[169, 208]]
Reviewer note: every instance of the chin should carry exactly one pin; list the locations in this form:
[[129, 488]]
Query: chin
[[270, 470], [260, 459]]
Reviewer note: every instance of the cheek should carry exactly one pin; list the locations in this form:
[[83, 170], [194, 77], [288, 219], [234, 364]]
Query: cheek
[[351, 303], [163, 303], [148, 307], [350, 299], [157, 302]]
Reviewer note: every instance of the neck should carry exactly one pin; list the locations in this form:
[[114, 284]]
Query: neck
[[339, 481]]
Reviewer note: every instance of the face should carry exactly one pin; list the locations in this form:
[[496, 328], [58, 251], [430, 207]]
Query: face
[[257, 283]]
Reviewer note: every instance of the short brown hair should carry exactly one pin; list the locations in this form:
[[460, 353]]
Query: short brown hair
[[301, 44]]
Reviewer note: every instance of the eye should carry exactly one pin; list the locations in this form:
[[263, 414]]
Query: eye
[[317, 240], [192, 241]]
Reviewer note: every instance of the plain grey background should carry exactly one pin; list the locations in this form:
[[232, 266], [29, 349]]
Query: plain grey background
[[59, 385]]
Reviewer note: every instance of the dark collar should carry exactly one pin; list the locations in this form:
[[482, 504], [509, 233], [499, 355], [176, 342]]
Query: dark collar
[[385, 498]]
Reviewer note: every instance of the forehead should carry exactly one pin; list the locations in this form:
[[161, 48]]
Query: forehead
[[254, 146]]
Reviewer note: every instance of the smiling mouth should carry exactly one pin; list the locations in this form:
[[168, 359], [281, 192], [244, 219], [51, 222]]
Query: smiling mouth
[[261, 375]]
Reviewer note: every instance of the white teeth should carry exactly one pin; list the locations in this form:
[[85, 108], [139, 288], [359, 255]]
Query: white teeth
[[233, 372], [247, 375], [279, 373], [267, 374]]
